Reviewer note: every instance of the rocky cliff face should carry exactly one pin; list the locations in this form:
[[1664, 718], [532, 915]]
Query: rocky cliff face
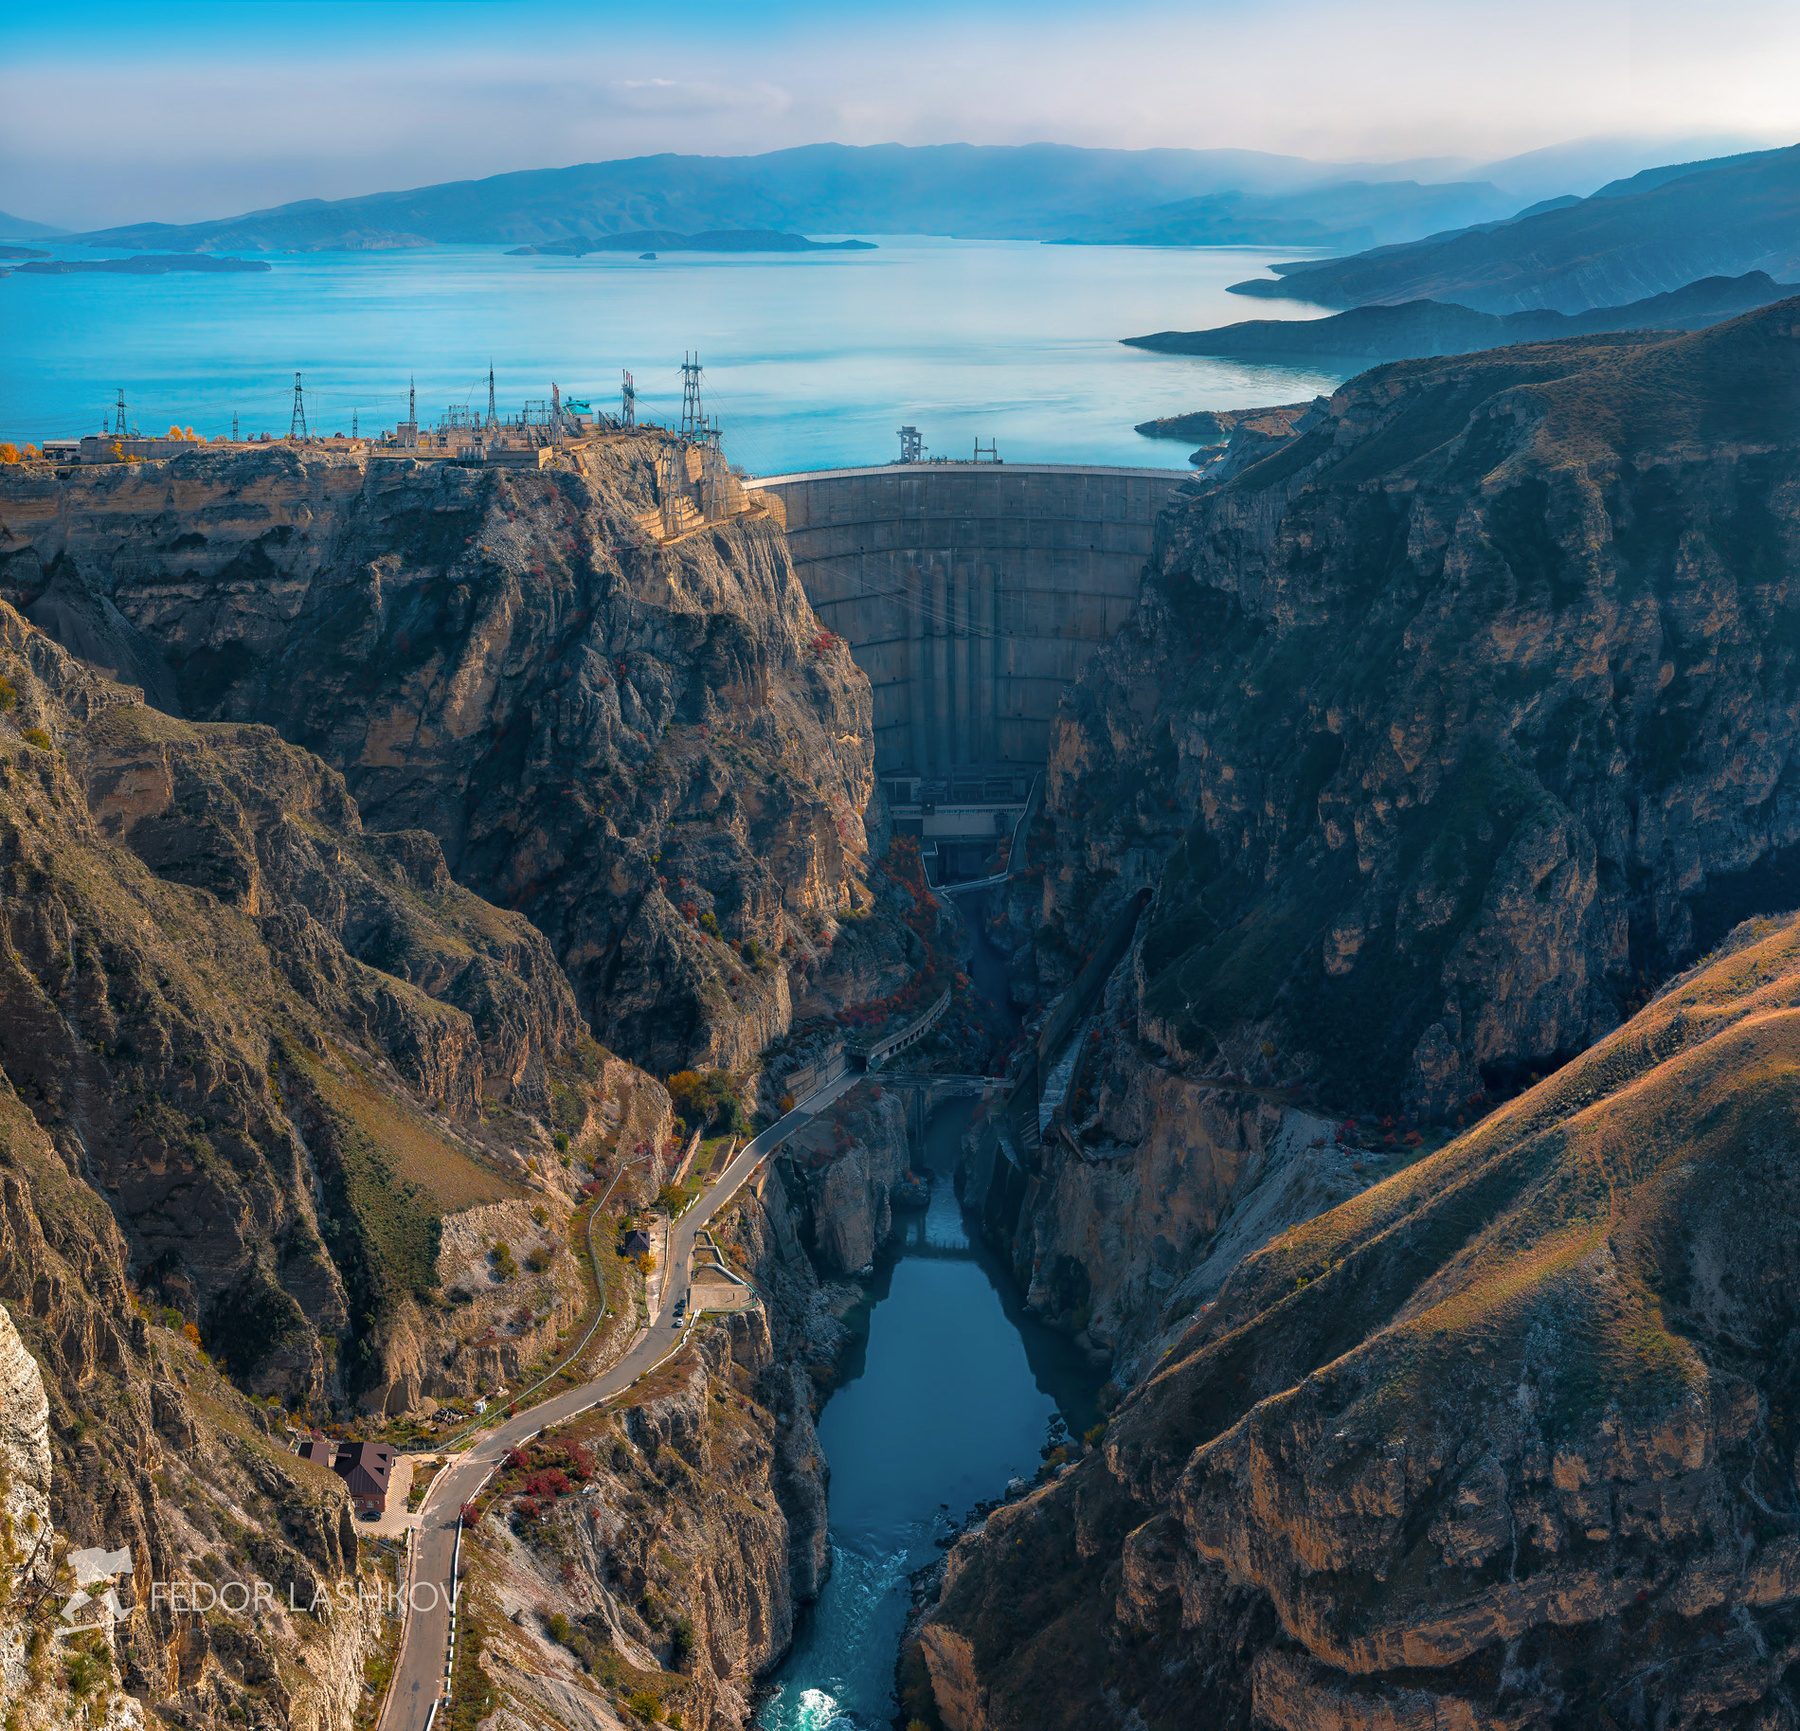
[[1454, 716], [130, 1471], [1445, 732], [654, 751], [841, 1171], [281, 1048], [1454, 723], [1502, 1442]]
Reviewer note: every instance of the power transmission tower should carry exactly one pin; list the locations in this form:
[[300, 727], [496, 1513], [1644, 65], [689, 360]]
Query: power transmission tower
[[119, 414], [234, 431], [355, 431], [712, 476], [493, 419], [297, 421], [668, 490], [628, 405], [556, 426], [693, 422]]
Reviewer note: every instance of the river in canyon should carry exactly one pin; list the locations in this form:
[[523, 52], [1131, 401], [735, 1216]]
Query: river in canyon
[[950, 1390]]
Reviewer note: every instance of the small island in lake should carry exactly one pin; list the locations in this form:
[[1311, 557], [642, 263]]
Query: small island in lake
[[142, 264]]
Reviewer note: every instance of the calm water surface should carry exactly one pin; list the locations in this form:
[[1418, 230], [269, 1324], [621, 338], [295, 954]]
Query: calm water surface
[[951, 1392], [811, 359]]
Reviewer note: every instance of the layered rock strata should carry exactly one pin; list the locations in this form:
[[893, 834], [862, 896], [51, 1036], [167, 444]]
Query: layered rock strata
[[1499, 1442], [651, 749]]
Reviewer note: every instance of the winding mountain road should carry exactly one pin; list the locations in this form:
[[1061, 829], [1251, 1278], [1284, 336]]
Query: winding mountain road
[[420, 1671]]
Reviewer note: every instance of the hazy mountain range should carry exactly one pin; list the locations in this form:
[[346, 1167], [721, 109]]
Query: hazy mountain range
[[1037, 192], [1647, 235], [23, 228], [1421, 328]]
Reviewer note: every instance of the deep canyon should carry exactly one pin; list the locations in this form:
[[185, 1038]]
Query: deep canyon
[[377, 838]]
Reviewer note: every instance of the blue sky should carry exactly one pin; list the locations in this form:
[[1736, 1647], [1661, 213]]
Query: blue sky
[[182, 111]]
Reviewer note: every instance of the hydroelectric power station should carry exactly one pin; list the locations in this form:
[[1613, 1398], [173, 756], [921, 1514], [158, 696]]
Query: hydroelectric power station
[[971, 594]]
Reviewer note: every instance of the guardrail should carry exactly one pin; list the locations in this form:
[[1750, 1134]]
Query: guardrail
[[878, 1052]]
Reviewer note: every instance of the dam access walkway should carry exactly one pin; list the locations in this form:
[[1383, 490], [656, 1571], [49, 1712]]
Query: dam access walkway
[[423, 1669]]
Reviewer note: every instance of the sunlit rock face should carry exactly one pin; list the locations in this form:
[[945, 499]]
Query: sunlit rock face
[[652, 749]]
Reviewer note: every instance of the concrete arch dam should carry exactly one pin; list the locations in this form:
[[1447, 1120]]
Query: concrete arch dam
[[971, 594]]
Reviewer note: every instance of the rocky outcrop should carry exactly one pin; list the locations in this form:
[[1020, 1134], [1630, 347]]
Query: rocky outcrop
[[652, 750], [131, 1468], [280, 1047], [1448, 727], [841, 1171], [1500, 1442]]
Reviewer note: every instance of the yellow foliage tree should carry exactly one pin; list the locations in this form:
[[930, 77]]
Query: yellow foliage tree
[[9, 453]]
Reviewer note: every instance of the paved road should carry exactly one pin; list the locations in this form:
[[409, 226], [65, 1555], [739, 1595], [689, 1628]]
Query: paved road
[[419, 1673]]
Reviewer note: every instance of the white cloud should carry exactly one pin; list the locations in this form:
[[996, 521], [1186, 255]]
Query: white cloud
[[85, 141]]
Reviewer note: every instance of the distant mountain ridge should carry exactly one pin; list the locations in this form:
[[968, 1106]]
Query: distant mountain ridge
[[1345, 213], [1420, 329], [23, 228], [1682, 222], [1035, 192]]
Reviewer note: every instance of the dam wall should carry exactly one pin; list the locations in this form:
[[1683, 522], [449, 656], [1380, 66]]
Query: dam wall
[[970, 593]]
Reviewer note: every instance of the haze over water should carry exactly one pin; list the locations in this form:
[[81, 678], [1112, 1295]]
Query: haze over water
[[812, 360]]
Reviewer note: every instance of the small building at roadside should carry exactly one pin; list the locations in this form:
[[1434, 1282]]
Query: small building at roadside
[[365, 1468]]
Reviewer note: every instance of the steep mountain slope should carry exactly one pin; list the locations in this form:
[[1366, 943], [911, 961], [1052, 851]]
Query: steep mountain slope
[[652, 750], [1449, 724], [257, 1063], [280, 1047], [1505, 1441], [117, 1435], [1741, 214]]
